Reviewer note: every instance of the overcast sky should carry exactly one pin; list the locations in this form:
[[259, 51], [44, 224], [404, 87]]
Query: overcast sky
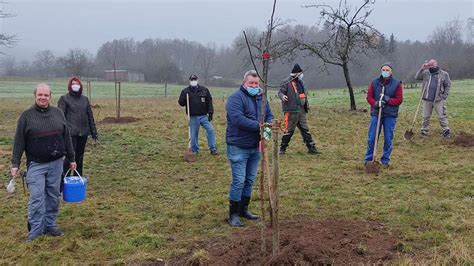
[[60, 25]]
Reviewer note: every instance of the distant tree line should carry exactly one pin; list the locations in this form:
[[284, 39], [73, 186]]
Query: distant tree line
[[174, 60]]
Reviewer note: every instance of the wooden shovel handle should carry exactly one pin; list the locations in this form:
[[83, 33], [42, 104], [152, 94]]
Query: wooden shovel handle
[[377, 130]]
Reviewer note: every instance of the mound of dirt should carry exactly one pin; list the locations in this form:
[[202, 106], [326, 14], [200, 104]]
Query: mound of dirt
[[464, 140], [121, 120], [302, 243]]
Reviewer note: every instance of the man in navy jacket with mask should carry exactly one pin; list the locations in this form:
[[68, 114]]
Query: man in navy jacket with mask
[[242, 138]]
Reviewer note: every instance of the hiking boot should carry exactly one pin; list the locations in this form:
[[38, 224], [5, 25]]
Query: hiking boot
[[214, 152], [312, 149], [234, 218], [424, 133], [244, 209], [53, 231], [282, 150], [447, 134]]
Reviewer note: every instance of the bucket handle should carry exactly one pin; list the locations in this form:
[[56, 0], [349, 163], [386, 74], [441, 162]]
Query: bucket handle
[[67, 172]]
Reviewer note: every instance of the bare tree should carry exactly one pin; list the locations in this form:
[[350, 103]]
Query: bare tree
[[347, 33], [8, 65], [268, 50], [76, 61], [6, 39], [44, 63], [205, 60], [447, 35]]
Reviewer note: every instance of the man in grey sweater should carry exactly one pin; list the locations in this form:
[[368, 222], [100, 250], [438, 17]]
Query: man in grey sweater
[[43, 135], [435, 89]]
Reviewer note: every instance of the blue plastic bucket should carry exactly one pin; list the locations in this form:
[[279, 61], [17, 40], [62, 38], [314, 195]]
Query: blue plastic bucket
[[74, 188]]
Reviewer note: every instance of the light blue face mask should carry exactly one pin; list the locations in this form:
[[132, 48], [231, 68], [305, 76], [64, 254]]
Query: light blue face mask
[[385, 74], [254, 91]]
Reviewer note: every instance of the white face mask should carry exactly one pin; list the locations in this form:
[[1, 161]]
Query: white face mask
[[75, 87], [193, 83]]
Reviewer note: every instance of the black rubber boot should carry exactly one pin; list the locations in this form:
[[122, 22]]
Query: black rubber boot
[[283, 149], [234, 218], [312, 149], [244, 209]]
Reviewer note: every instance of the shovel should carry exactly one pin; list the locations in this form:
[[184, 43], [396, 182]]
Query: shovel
[[409, 133], [189, 155], [373, 167]]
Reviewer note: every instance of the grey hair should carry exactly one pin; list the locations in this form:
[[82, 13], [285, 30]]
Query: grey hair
[[252, 73], [42, 85]]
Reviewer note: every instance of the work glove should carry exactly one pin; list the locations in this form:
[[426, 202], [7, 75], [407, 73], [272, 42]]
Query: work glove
[[209, 116], [380, 104], [386, 98]]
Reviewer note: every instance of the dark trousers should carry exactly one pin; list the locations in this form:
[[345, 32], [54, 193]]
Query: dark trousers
[[79, 144], [292, 121]]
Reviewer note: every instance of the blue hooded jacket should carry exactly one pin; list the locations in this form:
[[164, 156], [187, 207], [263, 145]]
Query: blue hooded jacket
[[243, 114]]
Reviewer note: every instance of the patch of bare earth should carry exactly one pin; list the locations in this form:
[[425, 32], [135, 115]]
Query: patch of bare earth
[[310, 242], [464, 140], [121, 120]]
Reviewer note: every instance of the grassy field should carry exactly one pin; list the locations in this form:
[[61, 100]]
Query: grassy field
[[144, 203]]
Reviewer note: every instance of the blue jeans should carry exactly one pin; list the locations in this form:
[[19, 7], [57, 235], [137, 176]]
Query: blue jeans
[[195, 123], [44, 180], [388, 124], [244, 167]]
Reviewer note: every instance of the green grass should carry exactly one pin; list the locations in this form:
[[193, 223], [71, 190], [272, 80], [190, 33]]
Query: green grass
[[19, 88], [144, 203]]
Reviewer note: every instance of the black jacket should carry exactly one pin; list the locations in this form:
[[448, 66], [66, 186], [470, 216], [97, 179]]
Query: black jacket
[[200, 100], [78, 113]]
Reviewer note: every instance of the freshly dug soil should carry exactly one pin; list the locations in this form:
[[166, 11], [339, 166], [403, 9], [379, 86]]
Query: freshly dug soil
[[121, 120], [464, 140], [310, 242]]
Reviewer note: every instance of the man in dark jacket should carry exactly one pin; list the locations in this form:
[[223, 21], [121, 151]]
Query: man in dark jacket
[[43, 135], [294, 99], [242, 137], [201, 112], [389, 101], [79, 118]]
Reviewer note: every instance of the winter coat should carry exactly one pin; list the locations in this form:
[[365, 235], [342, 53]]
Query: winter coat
[[78, 113], [444, 84], [200, 100], [293, 105], [243, 115]]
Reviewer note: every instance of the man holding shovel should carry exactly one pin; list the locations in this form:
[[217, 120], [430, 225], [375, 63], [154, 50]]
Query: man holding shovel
[[201, 111], [436, 85], [385, 94], [242, 137]]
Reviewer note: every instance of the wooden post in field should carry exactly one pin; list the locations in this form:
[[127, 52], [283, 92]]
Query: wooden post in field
[[274, 191], [89, 91], [118, 89], [166, 89]]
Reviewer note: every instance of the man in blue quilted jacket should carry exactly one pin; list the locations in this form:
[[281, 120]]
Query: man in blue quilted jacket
[[242, 137]]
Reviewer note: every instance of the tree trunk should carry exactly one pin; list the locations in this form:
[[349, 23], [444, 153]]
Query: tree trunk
[[345, 68], [274, 191], [263, 164]]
